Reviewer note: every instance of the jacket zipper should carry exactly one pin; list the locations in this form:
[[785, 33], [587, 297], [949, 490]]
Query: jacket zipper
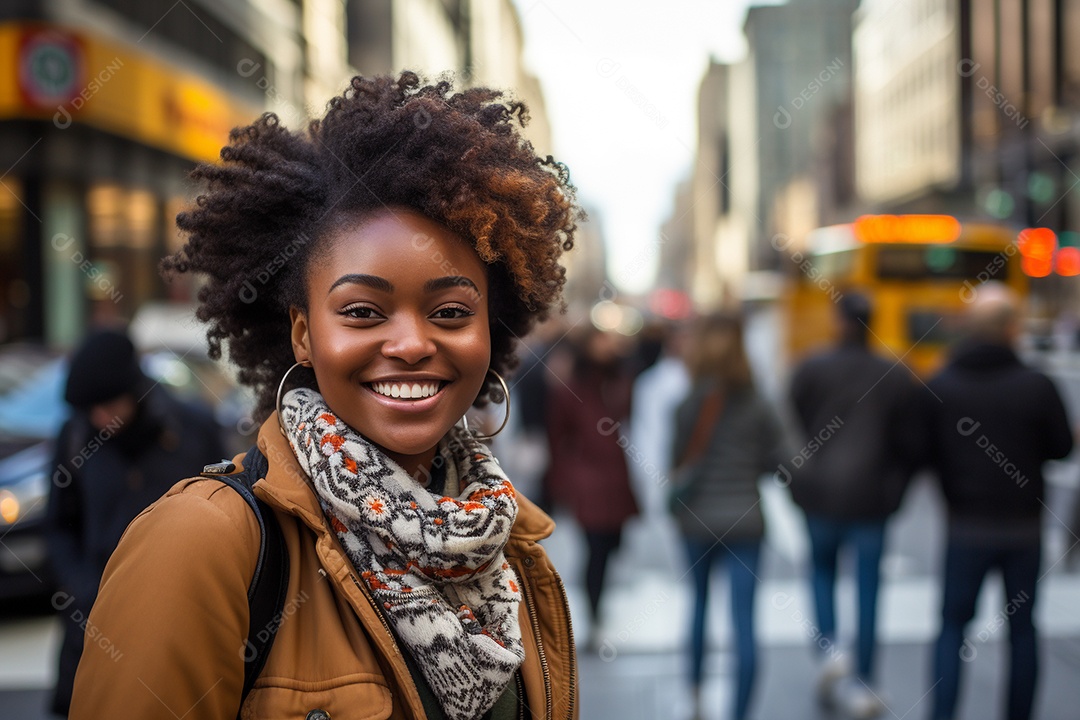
[[371, 601], [573, 648], [393, 640], [539, 646]]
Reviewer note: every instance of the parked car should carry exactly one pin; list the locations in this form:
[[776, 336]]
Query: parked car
[[32, 411]]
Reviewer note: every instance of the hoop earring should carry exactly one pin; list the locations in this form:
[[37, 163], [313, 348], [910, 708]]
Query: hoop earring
[[506, 418], [281, 388]]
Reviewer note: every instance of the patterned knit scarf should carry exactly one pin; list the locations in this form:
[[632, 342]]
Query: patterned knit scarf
[[434, 565]]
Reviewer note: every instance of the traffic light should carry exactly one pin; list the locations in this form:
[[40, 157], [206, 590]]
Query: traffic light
[[1037, 247]]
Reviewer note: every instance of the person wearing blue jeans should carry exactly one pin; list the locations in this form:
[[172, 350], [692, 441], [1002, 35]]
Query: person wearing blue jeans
[[966, 565], [991, 422], [726, 437], [859, 445], [742, 558], [867, 540]]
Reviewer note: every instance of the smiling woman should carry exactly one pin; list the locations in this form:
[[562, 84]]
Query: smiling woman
[[402, 348], [413, 237]]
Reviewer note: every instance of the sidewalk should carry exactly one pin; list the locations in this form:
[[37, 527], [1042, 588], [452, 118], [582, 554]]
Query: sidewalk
[[639, 670], [651, 686]]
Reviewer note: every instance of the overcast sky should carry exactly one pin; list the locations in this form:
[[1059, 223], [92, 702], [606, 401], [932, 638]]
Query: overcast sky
[[620, 81]]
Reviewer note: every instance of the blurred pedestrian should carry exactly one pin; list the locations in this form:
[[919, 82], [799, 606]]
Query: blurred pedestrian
[[369, 317], [127, 442], [657, 393], [523, 446], [854, 409], [726, 437], [991, 423], [588, 473]]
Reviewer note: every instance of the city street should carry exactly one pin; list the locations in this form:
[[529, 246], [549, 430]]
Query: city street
[[364, 223], [637, 674]]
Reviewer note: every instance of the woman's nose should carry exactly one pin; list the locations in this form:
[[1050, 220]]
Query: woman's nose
[[409, 341]]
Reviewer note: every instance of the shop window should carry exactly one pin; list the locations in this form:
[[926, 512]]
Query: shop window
[[124, 234], [14, 290]]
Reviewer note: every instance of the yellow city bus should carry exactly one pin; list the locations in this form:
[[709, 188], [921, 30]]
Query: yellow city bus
[[919, 272]]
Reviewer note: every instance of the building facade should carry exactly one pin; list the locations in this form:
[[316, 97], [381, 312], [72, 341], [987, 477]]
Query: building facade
[[773, 157], [970, 107], [107, 105]]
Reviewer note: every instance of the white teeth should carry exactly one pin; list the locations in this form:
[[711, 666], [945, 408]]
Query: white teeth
[[405, 390]]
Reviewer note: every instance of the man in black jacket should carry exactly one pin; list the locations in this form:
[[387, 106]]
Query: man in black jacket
[[991, 423], [854, 409], [126, 443]]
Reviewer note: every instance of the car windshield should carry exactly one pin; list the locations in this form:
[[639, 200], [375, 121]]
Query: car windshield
[[36, 407]]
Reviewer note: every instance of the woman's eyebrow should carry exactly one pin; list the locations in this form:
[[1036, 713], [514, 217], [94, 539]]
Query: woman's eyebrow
[[450, 281], [372, 281]]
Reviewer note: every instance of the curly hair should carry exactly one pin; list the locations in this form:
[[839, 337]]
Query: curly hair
[[457, 158]]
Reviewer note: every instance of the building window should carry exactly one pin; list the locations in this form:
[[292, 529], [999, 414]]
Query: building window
[[191, 27]]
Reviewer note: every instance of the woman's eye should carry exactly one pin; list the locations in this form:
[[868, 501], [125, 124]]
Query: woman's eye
[[452, 312], [359, 312]]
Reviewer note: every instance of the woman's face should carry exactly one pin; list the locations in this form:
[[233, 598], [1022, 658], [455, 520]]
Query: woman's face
[[397, 331]]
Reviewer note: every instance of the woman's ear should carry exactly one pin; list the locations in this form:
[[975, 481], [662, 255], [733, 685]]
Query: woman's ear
[[301, 342]]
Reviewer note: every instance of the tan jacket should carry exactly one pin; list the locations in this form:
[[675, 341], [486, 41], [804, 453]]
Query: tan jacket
[[165, 637]]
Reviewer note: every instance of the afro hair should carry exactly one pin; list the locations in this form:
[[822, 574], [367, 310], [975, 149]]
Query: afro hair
[[457, 158]]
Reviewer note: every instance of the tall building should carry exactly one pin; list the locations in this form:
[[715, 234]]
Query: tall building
[[106, 105], [104, 108], [773, 156], [907, 77], [676, 250], [970, 107]]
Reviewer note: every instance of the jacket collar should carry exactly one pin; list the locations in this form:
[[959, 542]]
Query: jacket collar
[[976, 355], [288, 488]]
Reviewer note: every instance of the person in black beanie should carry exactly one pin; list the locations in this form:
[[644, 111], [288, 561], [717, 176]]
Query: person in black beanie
[[127, 442]]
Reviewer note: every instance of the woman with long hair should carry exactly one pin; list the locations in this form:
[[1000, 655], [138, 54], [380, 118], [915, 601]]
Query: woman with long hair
[[726, 437]]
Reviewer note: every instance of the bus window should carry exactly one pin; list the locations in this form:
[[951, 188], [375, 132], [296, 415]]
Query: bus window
[[834, 265], [930, 327], [939, 262]]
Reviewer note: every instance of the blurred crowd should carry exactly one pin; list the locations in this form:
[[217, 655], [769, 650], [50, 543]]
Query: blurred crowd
[[676, 412]]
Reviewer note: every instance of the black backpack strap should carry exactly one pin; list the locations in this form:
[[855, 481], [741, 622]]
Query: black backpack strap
[[269, 584]]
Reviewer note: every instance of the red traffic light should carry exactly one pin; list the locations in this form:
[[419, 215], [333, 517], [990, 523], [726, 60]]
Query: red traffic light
[[1067, 262], [1038, 243]]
